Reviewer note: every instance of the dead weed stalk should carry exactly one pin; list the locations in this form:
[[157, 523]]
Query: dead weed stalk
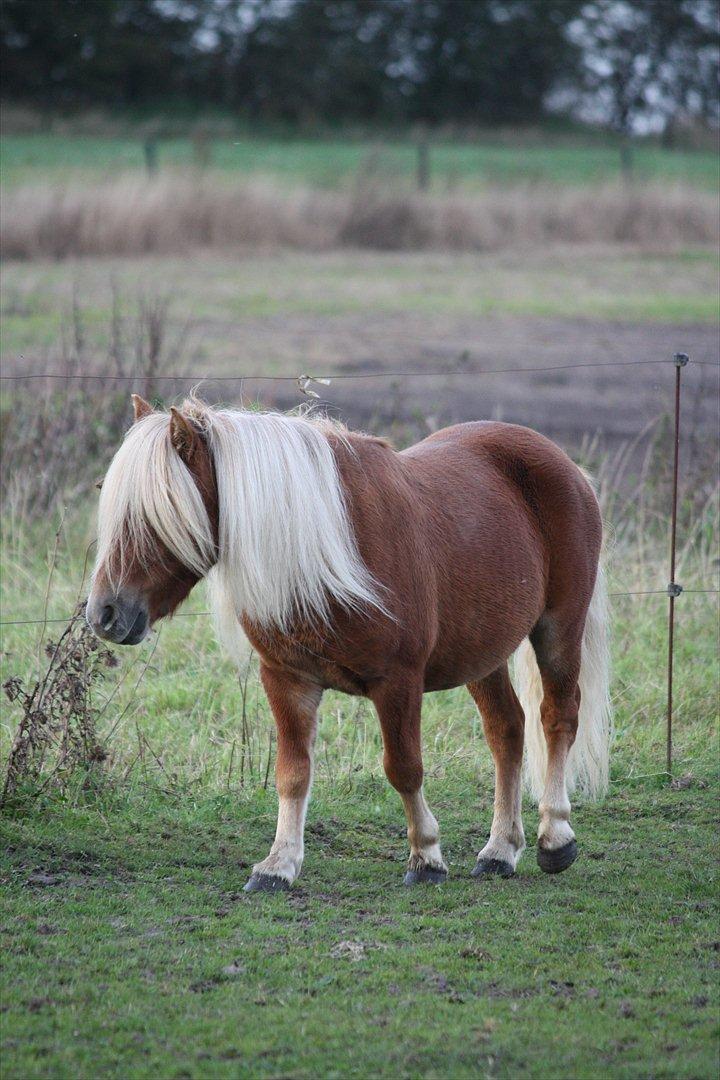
[[57, 734]]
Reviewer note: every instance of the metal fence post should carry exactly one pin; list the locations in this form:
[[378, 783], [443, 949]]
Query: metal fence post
[[673, 589]]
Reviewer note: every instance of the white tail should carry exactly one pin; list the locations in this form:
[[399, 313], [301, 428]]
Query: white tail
[[589, 760]]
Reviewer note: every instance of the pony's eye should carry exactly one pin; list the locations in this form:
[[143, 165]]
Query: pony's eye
[[99, 483]]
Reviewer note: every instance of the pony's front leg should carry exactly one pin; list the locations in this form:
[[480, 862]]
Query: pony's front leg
[[294, 704], [399, 705]]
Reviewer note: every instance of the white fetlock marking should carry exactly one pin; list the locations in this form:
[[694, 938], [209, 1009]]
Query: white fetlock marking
[[286, 855], [554, 830], [423, 833], [503, 849], [280, 864], [507, 837]]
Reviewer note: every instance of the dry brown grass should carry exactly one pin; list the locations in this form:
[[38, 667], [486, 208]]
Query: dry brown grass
[[131, 215], [521, 216], [171, 214]]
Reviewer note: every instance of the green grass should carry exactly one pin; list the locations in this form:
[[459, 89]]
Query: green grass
[[131, 951], [222, 293], [334, 163]]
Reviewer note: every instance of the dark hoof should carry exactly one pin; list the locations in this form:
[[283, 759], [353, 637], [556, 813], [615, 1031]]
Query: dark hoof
[[267, 883], [488, 867], [427, 874], [554, 862]]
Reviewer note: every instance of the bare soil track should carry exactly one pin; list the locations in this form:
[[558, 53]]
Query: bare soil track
[[616, 403]]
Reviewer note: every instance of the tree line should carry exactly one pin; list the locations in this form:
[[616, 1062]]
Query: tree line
[[630, 64]]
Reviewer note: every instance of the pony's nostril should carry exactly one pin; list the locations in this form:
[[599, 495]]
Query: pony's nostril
[[107, 618]]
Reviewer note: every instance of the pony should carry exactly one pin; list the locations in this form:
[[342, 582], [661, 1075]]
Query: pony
[[386, 574]]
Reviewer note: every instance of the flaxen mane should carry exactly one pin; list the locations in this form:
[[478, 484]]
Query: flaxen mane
[[285, 546]]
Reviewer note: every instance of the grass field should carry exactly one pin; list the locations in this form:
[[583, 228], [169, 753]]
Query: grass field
[[66, 196], [218, 295], [285, 313], [337, 163], [131, 950]]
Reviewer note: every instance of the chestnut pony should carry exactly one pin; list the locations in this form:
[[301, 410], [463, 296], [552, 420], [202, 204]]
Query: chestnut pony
[[382, 574]]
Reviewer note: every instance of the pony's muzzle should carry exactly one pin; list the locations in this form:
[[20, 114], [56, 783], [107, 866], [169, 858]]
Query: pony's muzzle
[[118, 619]]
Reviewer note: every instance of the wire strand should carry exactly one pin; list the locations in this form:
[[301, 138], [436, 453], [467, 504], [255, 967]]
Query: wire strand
[[194, 614], [347, 375], [259, 377]]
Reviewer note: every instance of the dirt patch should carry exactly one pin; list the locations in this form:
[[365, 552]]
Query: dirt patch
[[613, 403], [568, 404]]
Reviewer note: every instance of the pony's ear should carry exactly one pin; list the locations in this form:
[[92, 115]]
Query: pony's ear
[[183, 435], [140, 407]]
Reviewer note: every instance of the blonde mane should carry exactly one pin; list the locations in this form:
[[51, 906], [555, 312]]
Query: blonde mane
[[286, 549]]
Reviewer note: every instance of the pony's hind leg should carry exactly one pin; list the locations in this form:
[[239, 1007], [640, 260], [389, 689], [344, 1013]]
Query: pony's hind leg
[[294, 704], [558, 652], [504, 724], [399, 706]]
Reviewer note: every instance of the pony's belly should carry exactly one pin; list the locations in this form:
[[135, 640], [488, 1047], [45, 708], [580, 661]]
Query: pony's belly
[[447, 678], [470, 657]]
